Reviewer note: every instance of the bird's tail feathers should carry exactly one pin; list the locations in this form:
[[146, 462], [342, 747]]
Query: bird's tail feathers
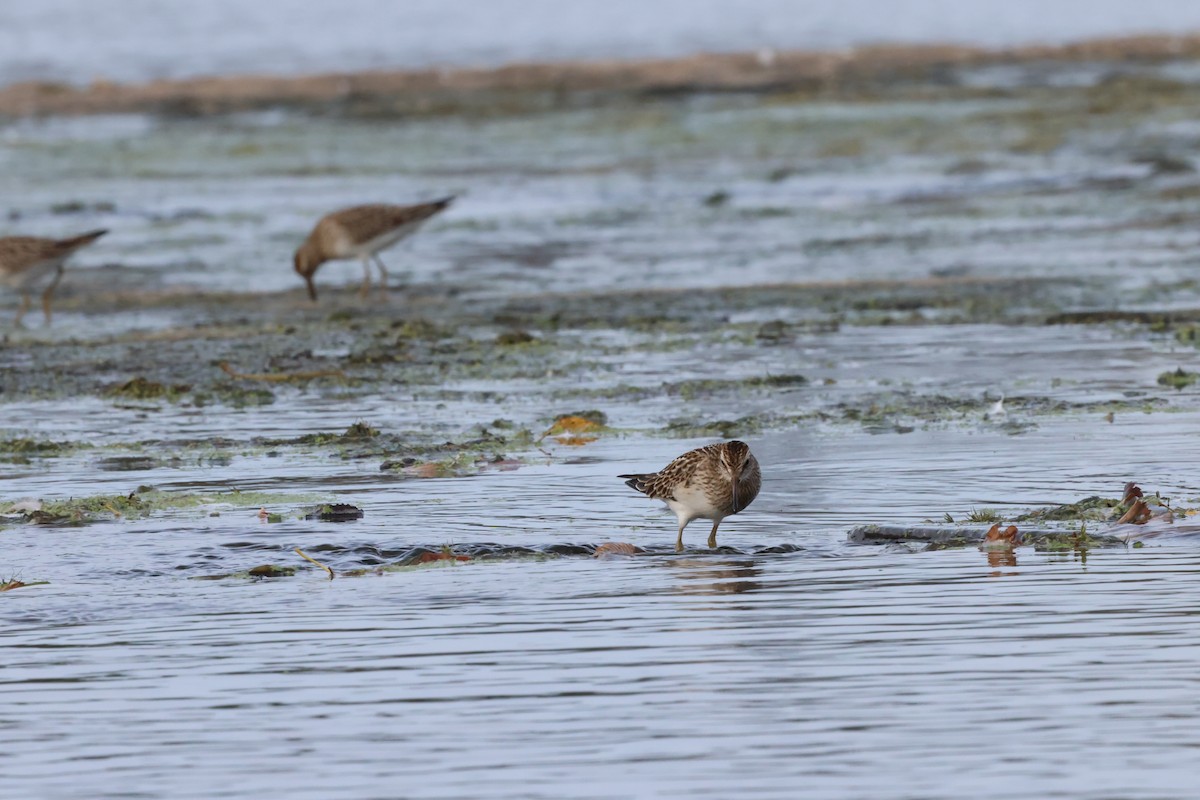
[[639, 483], [83, 238]]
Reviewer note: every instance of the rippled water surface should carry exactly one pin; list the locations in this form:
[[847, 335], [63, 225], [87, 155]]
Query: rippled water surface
[[848, 285], [813, 674]]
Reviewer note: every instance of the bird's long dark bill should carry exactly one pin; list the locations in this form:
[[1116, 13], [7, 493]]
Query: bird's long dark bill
[[312, 288], [736, 500]]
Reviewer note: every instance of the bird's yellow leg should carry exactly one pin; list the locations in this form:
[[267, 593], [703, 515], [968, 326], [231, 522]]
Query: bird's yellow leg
[[383, 277], [366, 284], [48, 295], [25, 303], [712, 536]]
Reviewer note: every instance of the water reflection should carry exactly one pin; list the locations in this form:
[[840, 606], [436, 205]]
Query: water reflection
[[1001, 558], [706, 576]]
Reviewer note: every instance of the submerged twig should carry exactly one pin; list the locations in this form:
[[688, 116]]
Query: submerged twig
[[280, 377], [307, 557]]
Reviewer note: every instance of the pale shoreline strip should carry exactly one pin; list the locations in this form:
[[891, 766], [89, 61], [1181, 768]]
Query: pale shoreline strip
[[526, 86]]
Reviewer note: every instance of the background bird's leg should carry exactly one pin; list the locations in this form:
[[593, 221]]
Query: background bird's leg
[[48, 295], [383, 276], [712, 535], [679, 541], [25, 303], [366, 287]]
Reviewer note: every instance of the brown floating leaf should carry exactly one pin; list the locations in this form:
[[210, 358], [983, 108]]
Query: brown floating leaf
[[996, 538], [1137, 514], [4, 587], [616, 549], [1131, 493], [263, 514]]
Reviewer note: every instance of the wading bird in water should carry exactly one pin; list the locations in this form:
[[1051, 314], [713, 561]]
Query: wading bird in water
[[26, 260], [361, 232], [710, 482]]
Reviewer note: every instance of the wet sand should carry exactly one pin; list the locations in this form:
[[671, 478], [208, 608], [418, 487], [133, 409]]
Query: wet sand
[[533, 86]]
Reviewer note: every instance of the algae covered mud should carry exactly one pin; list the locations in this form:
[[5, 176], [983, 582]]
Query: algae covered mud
[[927, 305]]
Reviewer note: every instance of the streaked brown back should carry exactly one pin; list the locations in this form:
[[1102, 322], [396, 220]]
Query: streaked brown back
[[19, 253], [364, 223]]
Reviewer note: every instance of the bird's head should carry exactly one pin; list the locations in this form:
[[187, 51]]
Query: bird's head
[[738, 464], [306, 262]]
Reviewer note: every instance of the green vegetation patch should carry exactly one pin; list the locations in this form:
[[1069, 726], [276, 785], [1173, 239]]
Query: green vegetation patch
[[1178, 379], [142, 502], [1094, 508], [141, 388], [20, 450]]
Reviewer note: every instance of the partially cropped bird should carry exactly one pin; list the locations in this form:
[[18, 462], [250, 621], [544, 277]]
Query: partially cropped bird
[[25, 261], [710, 482], [361, 232]]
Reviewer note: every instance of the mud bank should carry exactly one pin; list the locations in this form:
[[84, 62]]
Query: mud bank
[[534, 86]]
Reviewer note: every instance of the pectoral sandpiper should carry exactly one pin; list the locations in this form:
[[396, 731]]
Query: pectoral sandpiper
[[361, 232], [26, 260], [710, 482]]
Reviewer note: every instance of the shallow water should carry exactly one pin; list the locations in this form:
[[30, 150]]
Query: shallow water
[[835, 671], [908, 257], [805, 675]]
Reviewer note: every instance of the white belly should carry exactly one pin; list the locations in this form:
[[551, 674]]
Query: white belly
[[692, 503], [348, 248], [36, 274]]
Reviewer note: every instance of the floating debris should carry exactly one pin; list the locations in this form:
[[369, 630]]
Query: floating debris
[[335, 512], [1138, 514], [309, 558], [610, 549], [271, 571], [938, 537], [997, 539]]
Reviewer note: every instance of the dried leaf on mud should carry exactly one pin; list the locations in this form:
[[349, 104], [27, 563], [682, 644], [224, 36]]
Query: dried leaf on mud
[[1132, 492], [1137, 514], [1009, 537]]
